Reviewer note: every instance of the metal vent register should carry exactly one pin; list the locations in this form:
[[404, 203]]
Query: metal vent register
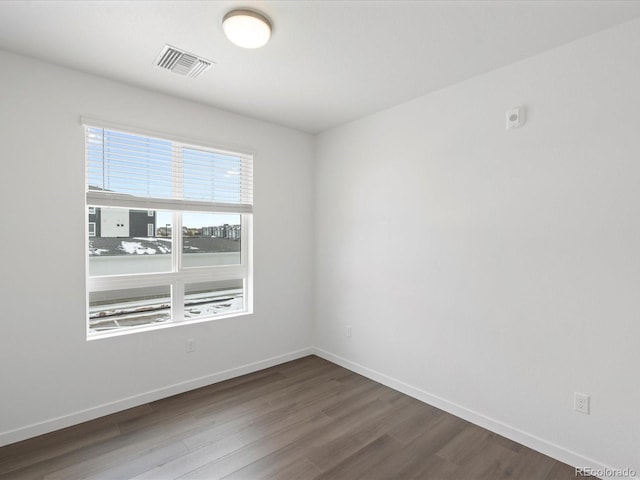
[[183, 63]]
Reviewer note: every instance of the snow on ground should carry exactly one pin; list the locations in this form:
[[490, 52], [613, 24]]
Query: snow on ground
[[153, 239], [125, 246], [137, 248], [135, 312], [214, 307]]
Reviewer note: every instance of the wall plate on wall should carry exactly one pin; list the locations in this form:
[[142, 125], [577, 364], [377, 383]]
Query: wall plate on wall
[[516, 117]]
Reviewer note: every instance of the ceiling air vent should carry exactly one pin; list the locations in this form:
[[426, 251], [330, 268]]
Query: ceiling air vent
[[183, 63]]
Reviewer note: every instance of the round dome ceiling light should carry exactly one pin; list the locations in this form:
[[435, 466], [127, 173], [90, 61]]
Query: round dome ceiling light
[[246, 28]]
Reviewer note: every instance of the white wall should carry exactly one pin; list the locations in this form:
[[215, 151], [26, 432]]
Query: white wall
[[48, 369], [496, 272]]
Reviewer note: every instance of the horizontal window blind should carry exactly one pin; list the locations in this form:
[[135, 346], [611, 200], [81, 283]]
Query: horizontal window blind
[[125, 169]]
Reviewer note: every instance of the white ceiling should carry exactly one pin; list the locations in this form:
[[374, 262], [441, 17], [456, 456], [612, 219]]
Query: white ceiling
[[327, 63]]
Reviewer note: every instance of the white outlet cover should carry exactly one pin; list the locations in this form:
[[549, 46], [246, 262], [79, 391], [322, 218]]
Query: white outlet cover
[[581, 403]]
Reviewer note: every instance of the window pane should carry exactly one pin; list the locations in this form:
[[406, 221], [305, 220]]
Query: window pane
[[213, 298], [116, 309], [126, 163], [211, 176], [210, 239], [129, 241]]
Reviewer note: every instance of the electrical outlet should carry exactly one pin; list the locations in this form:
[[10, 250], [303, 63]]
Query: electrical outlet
[[581, 402], [191, 345], [348, 330]]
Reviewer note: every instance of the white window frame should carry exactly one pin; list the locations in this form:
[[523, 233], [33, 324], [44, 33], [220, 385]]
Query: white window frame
[[150, 213], [92, 210], [179, 275], [92, 231], [150, 230]]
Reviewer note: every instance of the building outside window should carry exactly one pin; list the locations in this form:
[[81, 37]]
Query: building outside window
[[169, 232]]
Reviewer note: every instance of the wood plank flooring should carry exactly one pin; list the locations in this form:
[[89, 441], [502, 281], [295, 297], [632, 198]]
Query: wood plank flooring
[[306, 419]]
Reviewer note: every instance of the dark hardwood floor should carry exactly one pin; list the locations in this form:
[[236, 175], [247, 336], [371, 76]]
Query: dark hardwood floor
[[306, 419]]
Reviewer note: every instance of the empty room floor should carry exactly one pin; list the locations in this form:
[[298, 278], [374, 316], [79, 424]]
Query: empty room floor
[[305, 419]]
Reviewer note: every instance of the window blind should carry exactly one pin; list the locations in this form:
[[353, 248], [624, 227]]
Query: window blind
[[129, 170]]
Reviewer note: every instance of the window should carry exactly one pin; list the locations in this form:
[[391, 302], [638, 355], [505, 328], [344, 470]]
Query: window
[[171, 241]]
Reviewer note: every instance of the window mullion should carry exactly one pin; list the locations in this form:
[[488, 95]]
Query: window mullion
[[177, 175], [177, 287], [246, 259], [176, 238], [177, 300]]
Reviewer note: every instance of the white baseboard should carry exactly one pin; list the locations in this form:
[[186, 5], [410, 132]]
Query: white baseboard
[[536, 443], [74, 418]]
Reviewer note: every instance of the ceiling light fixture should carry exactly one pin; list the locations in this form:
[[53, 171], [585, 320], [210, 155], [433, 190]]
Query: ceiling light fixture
[[246, 28]]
